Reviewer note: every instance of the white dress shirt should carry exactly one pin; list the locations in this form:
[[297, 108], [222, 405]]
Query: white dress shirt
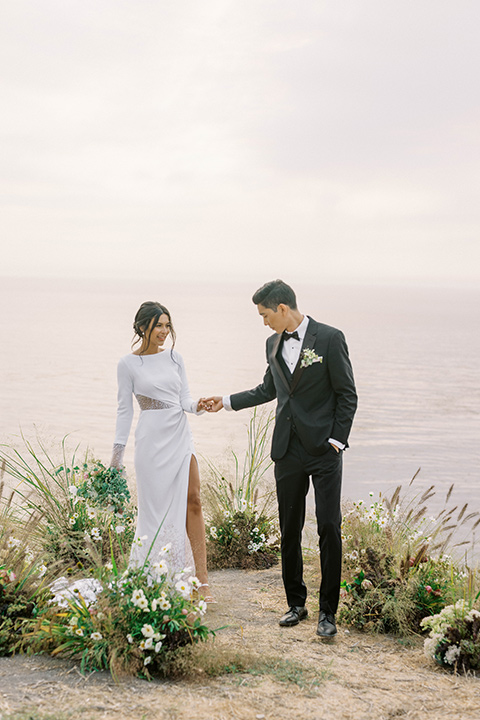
[[290, 353]]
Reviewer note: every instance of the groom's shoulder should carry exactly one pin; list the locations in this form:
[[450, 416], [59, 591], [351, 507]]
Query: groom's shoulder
[[322, 329]]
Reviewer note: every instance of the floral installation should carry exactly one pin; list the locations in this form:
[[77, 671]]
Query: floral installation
[[131, 624], [100, 515], [454, 638], [392, 578], [309, 357], [241, 529]]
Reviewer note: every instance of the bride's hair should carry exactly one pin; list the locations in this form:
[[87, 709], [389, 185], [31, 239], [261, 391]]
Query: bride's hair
[[143, 326]]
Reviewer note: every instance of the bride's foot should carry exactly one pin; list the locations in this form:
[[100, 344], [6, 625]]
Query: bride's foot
[[206, 594]]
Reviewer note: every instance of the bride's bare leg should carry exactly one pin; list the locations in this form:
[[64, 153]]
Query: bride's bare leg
[[196, 526]]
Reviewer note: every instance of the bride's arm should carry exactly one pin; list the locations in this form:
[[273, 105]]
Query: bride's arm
[[124, 414], [186, 401]]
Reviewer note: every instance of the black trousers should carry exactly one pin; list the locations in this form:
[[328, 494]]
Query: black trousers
[[292, 475]]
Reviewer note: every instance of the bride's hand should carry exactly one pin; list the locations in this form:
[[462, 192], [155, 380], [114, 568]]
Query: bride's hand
[[203, 404]]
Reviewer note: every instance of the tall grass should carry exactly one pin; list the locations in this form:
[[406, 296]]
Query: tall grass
[[241, 526]]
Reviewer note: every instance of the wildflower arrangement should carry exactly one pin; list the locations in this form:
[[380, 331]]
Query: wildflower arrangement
[[84, 507], [454, 638], [137, 620], [100, 512], [393, 577], [241, 530]]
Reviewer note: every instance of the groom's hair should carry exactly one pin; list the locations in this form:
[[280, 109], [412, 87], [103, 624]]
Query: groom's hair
[[273, 293]]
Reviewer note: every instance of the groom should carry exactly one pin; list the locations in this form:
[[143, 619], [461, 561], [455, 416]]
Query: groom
[[309, 372]]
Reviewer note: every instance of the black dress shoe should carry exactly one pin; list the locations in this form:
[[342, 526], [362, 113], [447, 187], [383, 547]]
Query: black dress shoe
[[293, 616], [326, 625]]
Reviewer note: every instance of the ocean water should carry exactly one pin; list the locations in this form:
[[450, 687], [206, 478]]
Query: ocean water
[[415, 353]]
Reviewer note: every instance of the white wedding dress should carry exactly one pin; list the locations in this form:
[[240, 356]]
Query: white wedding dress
[[163, 452]]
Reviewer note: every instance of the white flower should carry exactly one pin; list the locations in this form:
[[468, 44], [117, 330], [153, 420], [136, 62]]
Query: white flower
[[148, 631], [73, 621], [142, 645], [164, 604], [159, 636], [143, 603], [71, 520], [109, 566], [96, 534], [12, 542], [72, 489], [149, 643], [452, 654], [183, 588], [120, 529], [243, 505], [194, 582], [42, 570], [226, 513], [213, 532], [165, 549], [160, 567], [96, 636], [147, 660], [139, 540], [79, 632], [309, 356], [154, 604], [130, 639], [158, 646], [137, 595], [91, 513], [202, 607]]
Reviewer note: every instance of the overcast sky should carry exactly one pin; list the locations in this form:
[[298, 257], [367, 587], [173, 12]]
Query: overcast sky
[[314, 140]]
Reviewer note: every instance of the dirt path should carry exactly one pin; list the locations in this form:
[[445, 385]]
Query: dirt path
[[296, 675]]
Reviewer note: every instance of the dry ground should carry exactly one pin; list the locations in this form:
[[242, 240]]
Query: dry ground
[[296, 675]]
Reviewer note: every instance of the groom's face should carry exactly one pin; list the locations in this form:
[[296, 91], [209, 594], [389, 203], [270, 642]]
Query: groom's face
[[275, 319]]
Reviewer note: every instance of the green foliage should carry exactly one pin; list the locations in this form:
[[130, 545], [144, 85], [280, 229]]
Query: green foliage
[[391, 579], [138, 619], [454, 639], [241, 530], [103, 487]]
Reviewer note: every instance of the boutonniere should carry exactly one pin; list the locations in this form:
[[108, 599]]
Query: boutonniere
[[309, 357]]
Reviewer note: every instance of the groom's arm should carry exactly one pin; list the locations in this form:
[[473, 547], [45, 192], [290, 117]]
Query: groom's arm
[[341, 377], [257, 396]]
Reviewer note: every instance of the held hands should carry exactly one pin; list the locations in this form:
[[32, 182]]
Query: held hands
[[211, 404], [214, 403]]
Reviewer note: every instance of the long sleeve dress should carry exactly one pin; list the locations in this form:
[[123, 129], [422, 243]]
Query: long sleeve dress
[[163, 451]]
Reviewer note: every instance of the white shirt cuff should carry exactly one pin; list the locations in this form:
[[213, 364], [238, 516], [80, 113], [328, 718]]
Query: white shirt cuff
[[226, 402], [337, 443]]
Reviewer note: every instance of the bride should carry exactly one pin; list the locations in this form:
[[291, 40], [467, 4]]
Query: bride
[[168, 481]]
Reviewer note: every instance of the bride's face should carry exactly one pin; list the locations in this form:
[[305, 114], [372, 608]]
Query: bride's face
[[159, 332]]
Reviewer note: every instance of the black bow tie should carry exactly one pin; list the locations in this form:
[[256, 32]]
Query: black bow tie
[[290, 336]]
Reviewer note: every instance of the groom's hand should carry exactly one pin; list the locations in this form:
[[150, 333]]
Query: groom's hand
[[214, 403]]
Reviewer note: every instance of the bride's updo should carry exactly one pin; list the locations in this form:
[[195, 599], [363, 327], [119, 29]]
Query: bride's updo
[[143, 326]]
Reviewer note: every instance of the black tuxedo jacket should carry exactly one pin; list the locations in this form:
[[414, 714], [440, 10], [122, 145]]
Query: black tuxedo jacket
[[318, 400]]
